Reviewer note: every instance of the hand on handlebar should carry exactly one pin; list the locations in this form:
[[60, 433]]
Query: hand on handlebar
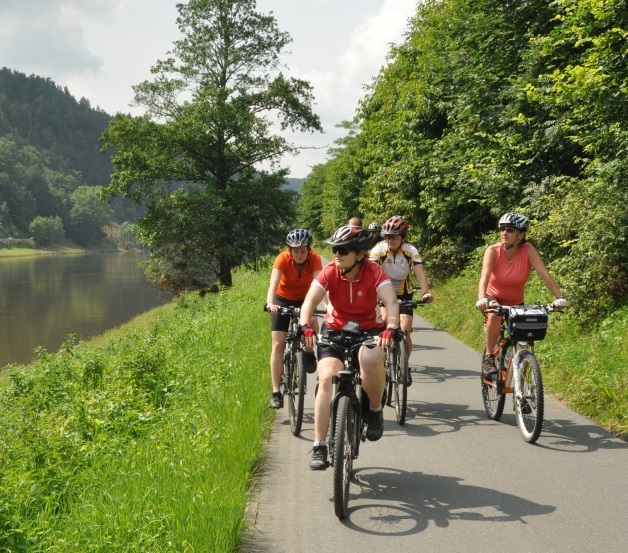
[[387, 336], [559, 303], [308, 335], [271, 308], [427, 298]]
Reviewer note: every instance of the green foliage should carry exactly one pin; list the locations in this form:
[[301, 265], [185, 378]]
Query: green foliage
[[46, 231], [88, 215], [490, 107], [193, 160], [146, 440]]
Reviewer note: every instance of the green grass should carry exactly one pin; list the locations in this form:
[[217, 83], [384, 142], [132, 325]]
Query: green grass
[[146, 439], [588, 371]]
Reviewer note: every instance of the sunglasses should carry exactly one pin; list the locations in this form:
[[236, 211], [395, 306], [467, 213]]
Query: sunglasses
[[509, 230], [341, 251]]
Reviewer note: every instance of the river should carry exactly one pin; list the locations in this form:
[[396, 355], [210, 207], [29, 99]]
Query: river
[[43, 299]]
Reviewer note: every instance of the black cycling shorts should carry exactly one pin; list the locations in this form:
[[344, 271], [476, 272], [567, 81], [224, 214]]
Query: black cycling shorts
[[405, 310], [282, 322], [337, 352]]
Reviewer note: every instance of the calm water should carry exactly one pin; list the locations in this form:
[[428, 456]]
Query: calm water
[[43, 299]]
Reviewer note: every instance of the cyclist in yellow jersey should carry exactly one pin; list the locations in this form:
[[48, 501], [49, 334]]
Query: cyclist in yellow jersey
[[398, 258]]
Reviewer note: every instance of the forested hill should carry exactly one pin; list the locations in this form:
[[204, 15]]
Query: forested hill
[[35, 111]]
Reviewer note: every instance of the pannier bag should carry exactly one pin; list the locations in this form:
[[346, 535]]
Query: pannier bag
[[527, 324]]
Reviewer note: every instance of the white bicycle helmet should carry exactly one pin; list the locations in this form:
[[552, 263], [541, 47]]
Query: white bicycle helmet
[[514, 220], [299, 237]]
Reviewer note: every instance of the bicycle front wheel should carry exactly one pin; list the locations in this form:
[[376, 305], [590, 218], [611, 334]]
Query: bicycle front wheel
[[343, 455], [400, 380], [529, 408], [389, 365], [296, 392], [492, 392]]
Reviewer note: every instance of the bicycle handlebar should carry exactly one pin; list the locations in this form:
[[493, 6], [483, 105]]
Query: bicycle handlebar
[[504, 309], [285, 310]]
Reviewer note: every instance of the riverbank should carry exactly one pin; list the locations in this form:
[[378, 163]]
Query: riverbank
[[29, 252]]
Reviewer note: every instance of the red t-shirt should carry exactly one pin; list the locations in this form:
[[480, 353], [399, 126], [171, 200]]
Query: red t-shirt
[[352, 301], [508, 279], [294, 284]]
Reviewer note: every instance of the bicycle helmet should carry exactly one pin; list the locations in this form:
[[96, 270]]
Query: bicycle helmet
[[375, 227], [514, 220], [299, 237], [354, 238], [395, 225]]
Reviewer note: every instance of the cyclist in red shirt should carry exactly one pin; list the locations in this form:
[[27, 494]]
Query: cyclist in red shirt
[[505, 271], [353, 285], [290, 279]]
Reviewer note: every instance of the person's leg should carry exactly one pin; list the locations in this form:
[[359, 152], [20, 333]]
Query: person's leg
[[373, 384], [492, 330], [327, 368], [276, 366]]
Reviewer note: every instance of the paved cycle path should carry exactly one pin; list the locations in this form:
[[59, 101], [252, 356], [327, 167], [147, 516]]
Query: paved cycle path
[[450, 480]]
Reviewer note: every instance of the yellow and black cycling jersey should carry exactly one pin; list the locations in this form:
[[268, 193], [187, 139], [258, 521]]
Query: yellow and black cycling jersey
[[397, 265]]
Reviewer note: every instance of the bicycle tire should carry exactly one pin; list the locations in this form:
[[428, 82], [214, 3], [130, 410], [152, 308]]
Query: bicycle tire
[[400, 381], [296, 392], [389, 363], [493, 397], [343, 455], [529, 411]]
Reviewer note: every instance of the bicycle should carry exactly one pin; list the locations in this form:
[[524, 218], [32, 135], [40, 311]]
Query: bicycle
[[294, 378], [397, 370], [349, 410], [518, 370]]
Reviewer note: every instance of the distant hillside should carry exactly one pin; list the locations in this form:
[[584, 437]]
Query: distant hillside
[[43, 115], [295, 184]]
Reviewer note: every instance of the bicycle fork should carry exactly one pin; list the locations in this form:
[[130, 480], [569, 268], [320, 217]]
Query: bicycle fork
[[517, 372]]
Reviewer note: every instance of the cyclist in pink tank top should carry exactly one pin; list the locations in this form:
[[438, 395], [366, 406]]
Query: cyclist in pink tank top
[[505, 271]]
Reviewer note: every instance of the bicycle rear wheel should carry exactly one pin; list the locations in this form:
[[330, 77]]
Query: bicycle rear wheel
[[296, 392], [400, 380], [529, 409], [492, 395], [343, 455]]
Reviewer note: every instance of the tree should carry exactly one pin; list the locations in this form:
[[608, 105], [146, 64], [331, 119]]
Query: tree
[[194, 158], [88, 215], [46, 231]]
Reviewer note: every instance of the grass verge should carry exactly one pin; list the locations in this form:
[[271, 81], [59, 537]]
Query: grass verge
[[145, 439], [586, 371]]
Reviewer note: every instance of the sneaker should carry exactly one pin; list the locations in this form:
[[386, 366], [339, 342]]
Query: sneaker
[[309, 360], [319, 457], [375, 427], [489, 370], [276, 401]]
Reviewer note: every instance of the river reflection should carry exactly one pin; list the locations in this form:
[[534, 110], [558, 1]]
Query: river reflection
[[45, 298]]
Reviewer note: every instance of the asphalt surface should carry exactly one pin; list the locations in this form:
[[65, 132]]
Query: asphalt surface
[[450, 479]]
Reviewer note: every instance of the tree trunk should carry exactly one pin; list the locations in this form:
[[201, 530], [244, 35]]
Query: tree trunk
[[225, 271]]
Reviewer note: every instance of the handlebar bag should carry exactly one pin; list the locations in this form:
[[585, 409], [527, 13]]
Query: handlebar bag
[[527, 324]]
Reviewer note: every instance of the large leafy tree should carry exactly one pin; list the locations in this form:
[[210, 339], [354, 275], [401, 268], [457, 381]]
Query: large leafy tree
[[213, 113]]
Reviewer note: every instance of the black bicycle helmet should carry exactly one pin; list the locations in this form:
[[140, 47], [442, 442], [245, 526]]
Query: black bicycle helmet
[[375, 227], [299, 237], [395, 225], [354, 238], [514, 220]]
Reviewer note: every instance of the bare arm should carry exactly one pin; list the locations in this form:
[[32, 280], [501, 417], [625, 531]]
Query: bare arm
[[386, 294], [541, 269], [487, 268], [275, 278], [419, 272]]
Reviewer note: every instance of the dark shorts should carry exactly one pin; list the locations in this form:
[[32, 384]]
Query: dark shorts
[[405, 310], [282, 322], [338, 352]]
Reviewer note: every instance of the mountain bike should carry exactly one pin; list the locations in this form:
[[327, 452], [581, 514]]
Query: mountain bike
[[397, 371], [349, 409], [518, 370], [294, 378]]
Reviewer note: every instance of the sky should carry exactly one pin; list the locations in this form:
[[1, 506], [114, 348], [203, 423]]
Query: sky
[[99, 49]]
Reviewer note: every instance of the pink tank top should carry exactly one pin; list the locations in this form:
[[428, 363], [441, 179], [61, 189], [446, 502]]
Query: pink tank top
[[509, 278]]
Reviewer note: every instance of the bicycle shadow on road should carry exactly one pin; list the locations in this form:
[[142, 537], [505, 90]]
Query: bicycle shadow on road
[[397, 502], [571, 437]]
